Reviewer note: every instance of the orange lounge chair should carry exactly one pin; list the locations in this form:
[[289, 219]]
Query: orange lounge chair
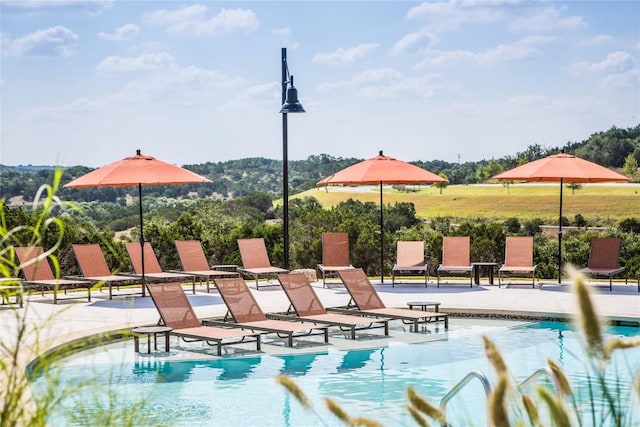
[[518, 258], [410, 259], [94, 267], [456, 257], [177, 313], [335, 254], [194, 262], [37, 271], [307, 306], [368, 302], [604, 255], [255, 260], [152, 269], [247, 314]]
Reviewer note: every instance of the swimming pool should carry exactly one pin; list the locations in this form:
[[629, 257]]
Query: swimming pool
[[365, 382]]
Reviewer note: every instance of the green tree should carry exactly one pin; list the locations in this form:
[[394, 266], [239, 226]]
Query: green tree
[[486, 171], [630, 167], [442, 185], [574, 186]]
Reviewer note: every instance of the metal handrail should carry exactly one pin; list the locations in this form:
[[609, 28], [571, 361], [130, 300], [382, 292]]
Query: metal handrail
[[487, 387], [536, 374], [471, 375]]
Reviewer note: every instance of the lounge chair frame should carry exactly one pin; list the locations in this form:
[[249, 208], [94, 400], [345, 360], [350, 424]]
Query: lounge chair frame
[[518, 259], [335, 254], [604, 258], [12, 286], [365, 300], [244, 312], [194, 263], [456, 257], [410, 259], [94, 269], [255, 260], [177, 313], [37, 273], [305, 305]]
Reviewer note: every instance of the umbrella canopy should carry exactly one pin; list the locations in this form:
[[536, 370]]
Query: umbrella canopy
[[137, 170], [381, 170], [561, 168]]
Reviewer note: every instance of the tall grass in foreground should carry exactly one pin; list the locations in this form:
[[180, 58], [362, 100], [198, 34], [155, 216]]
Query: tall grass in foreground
[[609, 403], [21, 339]]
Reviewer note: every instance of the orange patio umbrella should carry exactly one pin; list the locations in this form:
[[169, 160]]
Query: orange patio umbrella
[[381, 170], [561, 168], [137, 170]]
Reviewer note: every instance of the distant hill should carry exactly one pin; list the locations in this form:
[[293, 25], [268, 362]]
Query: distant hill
[[238, 178]]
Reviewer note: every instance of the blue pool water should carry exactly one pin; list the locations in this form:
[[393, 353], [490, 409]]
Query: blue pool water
[[369, 382]]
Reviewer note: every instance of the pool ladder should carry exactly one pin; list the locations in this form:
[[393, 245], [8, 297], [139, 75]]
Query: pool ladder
[[487, 387]]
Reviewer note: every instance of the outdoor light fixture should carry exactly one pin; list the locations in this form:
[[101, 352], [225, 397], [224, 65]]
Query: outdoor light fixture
[[290, 104]]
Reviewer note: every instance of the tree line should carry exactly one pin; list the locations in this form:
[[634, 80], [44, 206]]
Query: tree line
[[614, 148]]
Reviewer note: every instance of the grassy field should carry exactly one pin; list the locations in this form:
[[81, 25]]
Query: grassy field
[[600, 204]]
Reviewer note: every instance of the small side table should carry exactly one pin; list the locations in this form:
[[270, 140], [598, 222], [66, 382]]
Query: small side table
[[490, 266], [151, 331], [424, 304]]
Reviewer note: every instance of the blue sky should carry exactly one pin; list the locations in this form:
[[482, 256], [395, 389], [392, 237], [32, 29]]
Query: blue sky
[[89, 82]]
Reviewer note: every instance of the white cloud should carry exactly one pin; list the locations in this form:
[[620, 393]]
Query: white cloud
[[387, 83], [546, 20], [51, 42], [123, 33], [419, 41], [615, 61], [449, 16], [146, 61], [90, 7], [521, 49], [281, 32], [284, 34], [597, 40], [345, 55], [618, 61], [526, 100], [195, 21], [628, 79], [176, 87]]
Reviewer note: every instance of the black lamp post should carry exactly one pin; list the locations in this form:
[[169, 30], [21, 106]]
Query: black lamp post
[[290, 104]]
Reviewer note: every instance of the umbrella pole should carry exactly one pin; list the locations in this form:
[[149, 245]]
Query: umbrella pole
[[381, 237], [560, 236], [141, 236]]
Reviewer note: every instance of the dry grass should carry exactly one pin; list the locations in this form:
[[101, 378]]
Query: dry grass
[[595, 202]]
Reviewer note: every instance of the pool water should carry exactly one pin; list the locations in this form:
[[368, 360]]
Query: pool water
[[368, 382]]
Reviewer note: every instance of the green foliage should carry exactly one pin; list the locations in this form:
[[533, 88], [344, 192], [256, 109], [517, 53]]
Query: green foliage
[[20, 404], [630, 225], [512, 225], [442, 185], [579, 221], [630, 166], [573, 186], [532, 227]]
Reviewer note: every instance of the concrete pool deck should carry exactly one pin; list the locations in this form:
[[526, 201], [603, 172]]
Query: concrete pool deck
[[73, 319]]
